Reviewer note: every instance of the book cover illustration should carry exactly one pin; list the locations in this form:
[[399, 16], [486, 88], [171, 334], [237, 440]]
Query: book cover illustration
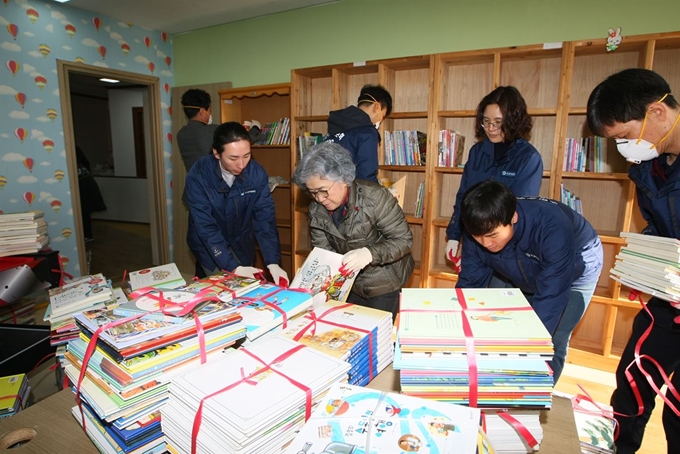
[[321, 273], [86, 289], [176, 301], [226, 286], [158, 276]]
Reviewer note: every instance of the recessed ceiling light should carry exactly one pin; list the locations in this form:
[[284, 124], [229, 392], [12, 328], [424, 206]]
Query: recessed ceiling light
[[61, 1], [111, 81]]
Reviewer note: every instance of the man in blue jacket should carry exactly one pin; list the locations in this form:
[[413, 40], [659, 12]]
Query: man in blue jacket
[[356, 129], [542, 247], [636, 108], [229, 206]]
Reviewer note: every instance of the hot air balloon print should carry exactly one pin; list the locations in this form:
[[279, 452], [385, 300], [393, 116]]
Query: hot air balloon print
[[66, 232], [164, 37], [170, 184], [29, 197], [21, 99], [51, 114], [166, 87], [56, 205], [97, 22], [125, 47], [170, 110], [40, 81], [48, 145], [59, 174], [151, 66], [102, 52], [70, 30], [3, 181], [32, 15], [12, 66], [168, 61], [28, 163], [20, 133], [169, 137], [79, 60], [147, 42], [44, 49], [13, 29]]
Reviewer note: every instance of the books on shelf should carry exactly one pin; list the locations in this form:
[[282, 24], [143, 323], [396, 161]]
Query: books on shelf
[[321, 273], [451, 151], [275, 133], [587, 154], [420, 201], [570, 199], [162, 276], [406, 148], [307, 141]]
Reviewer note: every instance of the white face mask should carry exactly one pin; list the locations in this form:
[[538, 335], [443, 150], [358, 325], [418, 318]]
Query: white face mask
[[210, 119], [377, 125], [636, 151]]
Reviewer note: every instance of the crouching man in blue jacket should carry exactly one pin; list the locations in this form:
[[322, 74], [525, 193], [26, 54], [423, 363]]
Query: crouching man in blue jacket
[[230, 206], [543, 247]]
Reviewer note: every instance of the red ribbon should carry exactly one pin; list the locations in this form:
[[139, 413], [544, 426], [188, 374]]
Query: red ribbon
[[247, 380], [61, 271], [603, 412], [272, 306], [520, 428], [470, 348], [14, 396]]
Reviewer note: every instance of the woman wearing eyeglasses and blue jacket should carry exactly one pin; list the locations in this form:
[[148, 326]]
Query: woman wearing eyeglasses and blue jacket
[[502, 154], [359, 219]]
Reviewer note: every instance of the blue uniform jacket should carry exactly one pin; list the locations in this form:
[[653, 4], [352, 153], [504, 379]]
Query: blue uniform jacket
[[660, 207], [224, 221], [520, 170], [542, 258]]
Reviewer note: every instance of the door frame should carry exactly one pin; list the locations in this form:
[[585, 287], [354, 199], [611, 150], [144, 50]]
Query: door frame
[[155, 172]]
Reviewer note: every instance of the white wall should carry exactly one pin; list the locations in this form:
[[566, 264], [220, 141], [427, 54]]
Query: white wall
[[126, 199], [121, 103]]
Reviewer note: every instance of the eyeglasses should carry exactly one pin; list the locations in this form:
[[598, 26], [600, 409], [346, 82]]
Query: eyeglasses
[[320, 193], [486, 124]]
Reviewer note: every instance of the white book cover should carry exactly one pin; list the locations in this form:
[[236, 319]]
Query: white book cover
[[321, 273], [356, 420], [163, 276], [79, 293]]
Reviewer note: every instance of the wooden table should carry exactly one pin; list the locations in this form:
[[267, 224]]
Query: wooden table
[[56, 430]]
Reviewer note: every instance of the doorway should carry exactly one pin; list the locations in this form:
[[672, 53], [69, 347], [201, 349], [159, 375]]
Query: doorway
[[133, 197]]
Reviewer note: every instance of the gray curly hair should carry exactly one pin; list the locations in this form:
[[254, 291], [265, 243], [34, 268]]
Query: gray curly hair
[[325, 160]]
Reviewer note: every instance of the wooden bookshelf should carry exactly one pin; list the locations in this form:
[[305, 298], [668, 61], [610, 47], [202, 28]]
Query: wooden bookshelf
[[441, 91], [267, 103]]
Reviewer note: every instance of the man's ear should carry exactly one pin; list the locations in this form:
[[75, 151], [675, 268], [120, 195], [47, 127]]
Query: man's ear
[[659, 109], [216, 154], [515, 217]]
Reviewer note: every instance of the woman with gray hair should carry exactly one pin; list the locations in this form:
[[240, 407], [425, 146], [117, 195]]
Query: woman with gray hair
[[359, 219]]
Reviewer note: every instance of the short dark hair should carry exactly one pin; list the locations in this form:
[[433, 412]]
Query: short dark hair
[[229, 132], [487, 205], [197, 98], [624, 97], [517, 123], [376, 93]]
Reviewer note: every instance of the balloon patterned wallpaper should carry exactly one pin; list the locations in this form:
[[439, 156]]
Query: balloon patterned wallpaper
[[34, 34]]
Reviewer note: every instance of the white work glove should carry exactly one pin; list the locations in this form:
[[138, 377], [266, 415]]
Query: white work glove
[[355, 260], [247, 271], [279, 276], [451, 254]]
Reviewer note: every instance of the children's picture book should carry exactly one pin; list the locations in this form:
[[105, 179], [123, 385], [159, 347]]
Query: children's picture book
[[163, 276], [226, 286], [356, 420], [79, 294], [321, 273]]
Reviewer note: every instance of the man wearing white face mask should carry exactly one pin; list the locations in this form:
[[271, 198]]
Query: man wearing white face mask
[[356, 129], [636, 107], [195, 138]]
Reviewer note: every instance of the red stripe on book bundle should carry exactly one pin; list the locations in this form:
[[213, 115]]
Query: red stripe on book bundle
[[603, 412], [272, 306], [247, 380], [519, 427], [320, 319]]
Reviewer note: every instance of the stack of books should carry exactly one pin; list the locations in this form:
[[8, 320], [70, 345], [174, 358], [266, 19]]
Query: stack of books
[[595, 424], [20, 313], [22, 233], [405, 148], [359, 335], [84, 293], [451, 149], [14, 390], [253, 399], [650, 264], [352, 419], [481, 347], [163, 276], [307, 141], [138, 352]]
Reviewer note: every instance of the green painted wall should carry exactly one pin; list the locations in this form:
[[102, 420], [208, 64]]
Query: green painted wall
[[264, 50]]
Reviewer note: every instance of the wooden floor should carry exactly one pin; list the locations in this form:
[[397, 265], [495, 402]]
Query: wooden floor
[[600, 386], [119, 246]]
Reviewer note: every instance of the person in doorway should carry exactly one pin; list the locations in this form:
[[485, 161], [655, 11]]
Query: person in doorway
[[636, 108], [359, 219], [543, 247], [230, 206], [194, 140], [501, 154], [356, 129], [91, 200]]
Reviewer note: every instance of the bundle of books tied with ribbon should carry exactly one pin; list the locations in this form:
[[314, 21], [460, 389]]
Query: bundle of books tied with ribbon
[[357, 420], [127, 354], [595, 424], [359, 335], [22, 233], [252, 400], [485, 348], [650, 264], [14, 391]]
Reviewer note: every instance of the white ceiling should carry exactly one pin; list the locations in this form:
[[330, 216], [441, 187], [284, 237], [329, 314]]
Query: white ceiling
[[177, 16]]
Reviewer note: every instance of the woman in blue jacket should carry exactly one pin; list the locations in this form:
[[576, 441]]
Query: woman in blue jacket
[[230, 206], [502, 154]]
